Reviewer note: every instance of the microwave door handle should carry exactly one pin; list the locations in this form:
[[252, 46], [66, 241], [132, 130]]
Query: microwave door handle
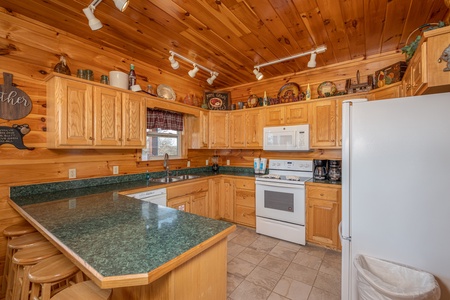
[[294, 186]]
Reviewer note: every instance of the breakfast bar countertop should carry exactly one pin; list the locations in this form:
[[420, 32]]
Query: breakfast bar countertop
[[119, 240]]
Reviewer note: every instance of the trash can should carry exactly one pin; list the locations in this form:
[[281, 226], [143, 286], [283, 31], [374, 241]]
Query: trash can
[[383, 280]]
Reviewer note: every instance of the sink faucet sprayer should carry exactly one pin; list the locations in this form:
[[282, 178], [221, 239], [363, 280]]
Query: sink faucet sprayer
[[166, 164]]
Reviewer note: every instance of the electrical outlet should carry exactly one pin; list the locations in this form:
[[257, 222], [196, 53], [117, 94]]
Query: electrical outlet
[[72, 203], [228, 162], [207, 162], [115, 170], [188, 163], [72, 173]]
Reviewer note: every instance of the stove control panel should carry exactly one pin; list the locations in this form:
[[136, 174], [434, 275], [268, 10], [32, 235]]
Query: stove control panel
[[293, 165]]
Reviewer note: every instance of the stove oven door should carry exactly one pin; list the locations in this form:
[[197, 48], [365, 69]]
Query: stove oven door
[[281, 201]]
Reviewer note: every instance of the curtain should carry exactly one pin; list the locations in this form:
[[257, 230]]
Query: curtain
[[164, 119]]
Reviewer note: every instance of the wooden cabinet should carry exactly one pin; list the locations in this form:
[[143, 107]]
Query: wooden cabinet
[[246, 128], [288, 114], [198, 131], [323, 124], [83, 115], [215, 196], [244, 202], [190, 197], [425, 75], [218, 130], [227, 200], [394, 90], [323, 214]]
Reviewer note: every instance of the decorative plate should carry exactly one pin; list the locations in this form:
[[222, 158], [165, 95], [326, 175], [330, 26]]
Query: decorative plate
[[166, 92], [252, 101], [215, 103], [326, 89], [289, 92]]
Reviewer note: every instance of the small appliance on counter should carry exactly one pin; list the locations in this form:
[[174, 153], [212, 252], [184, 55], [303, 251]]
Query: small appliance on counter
[[320, 169], [334, 170], [215, 163], [260, 165]]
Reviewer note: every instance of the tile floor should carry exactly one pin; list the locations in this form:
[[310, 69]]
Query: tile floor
[[261, 267]]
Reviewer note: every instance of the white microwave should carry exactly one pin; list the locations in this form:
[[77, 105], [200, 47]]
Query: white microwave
[[286, 138]]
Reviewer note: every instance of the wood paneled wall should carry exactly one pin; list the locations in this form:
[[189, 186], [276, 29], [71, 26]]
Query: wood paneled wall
[[30, 50]]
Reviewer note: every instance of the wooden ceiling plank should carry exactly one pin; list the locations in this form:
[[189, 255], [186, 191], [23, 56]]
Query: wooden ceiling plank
[[374, 22], [396, 16], [335, 27], [353, 15]]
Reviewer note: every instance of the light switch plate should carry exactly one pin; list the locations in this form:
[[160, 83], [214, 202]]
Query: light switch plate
[[228, 162], [115, 170], [72, 173], [207, 162]]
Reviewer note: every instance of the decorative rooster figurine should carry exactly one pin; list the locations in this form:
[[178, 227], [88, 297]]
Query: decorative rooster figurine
[[445, 57]]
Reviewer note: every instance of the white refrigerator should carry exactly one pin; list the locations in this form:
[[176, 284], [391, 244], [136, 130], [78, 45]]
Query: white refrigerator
[[396, 185]]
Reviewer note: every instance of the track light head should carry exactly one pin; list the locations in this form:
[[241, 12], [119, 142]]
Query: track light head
[[121, 4], [94, 23], [312, 62], [175, 65], [213, 77], [194, 71], [258, 74]]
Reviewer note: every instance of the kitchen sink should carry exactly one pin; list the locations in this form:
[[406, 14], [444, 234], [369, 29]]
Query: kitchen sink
[[174, 178]]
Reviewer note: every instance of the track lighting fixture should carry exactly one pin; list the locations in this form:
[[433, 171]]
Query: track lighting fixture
[[311, 63], [175, 65], [312, 60], [194, 71], [213, 77], [95, 23], [257, 73]]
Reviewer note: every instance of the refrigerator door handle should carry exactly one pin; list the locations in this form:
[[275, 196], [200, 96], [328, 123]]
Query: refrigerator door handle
[[347, 238]]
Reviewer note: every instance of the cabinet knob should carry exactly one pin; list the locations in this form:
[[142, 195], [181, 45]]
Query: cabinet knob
[[91, 138], [321, 195], [128, 139]]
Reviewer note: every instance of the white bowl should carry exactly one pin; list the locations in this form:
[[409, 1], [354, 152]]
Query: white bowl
[[118, 79]]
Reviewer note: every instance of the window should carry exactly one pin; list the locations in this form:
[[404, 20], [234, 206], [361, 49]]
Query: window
[[161, 141]]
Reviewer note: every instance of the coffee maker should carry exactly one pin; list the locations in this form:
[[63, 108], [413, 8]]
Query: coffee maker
[[320, 169], [334, 170]]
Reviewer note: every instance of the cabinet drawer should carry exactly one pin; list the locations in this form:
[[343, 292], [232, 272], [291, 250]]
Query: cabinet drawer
[[186, 189], [244, 184], [245, 215], [323, 193], [245, 198]]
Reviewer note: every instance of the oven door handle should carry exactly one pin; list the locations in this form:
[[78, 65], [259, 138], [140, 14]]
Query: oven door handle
[[292, 186]]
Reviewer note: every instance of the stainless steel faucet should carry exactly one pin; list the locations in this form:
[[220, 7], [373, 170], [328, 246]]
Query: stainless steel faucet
[[166, 164]]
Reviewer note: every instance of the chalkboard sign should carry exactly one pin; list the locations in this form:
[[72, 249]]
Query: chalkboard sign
[[14, 135], [14, 103], [217, 100]]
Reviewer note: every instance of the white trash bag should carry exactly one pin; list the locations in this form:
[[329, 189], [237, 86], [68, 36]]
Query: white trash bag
[[383, 280]]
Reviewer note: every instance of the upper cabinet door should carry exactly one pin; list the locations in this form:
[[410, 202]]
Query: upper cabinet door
[[72, 103], [237, 129], [108, 117], [323, 124], [254, 124], [218, 129], [134, 114]]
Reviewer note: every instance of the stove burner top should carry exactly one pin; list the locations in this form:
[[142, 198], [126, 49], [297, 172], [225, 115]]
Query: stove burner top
[[272, 176], [293, 178]]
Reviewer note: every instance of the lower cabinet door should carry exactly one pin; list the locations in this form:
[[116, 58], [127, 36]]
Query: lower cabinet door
[[180, 203]]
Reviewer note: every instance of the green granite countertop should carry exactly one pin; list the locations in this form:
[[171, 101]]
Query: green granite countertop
[[112, 234], [118, 235]]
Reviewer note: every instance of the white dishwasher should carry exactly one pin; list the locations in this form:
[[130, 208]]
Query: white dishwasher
[[158, 196]]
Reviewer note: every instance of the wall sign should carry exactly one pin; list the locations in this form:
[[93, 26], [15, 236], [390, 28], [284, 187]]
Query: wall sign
[[14, 135], [14, 103], [217, 100]]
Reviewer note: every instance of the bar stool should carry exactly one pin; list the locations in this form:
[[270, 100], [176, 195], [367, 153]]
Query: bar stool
[[22, 262], [51, 275], [11, 232], [14, 245], [82, 291]]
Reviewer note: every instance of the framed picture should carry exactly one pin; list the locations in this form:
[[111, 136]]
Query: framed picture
[[217, 100]]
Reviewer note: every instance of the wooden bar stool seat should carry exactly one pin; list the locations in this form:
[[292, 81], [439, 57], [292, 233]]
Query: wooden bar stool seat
[[22, 262], [11, 232], [51, 275], [14, 245], [82, 291]]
